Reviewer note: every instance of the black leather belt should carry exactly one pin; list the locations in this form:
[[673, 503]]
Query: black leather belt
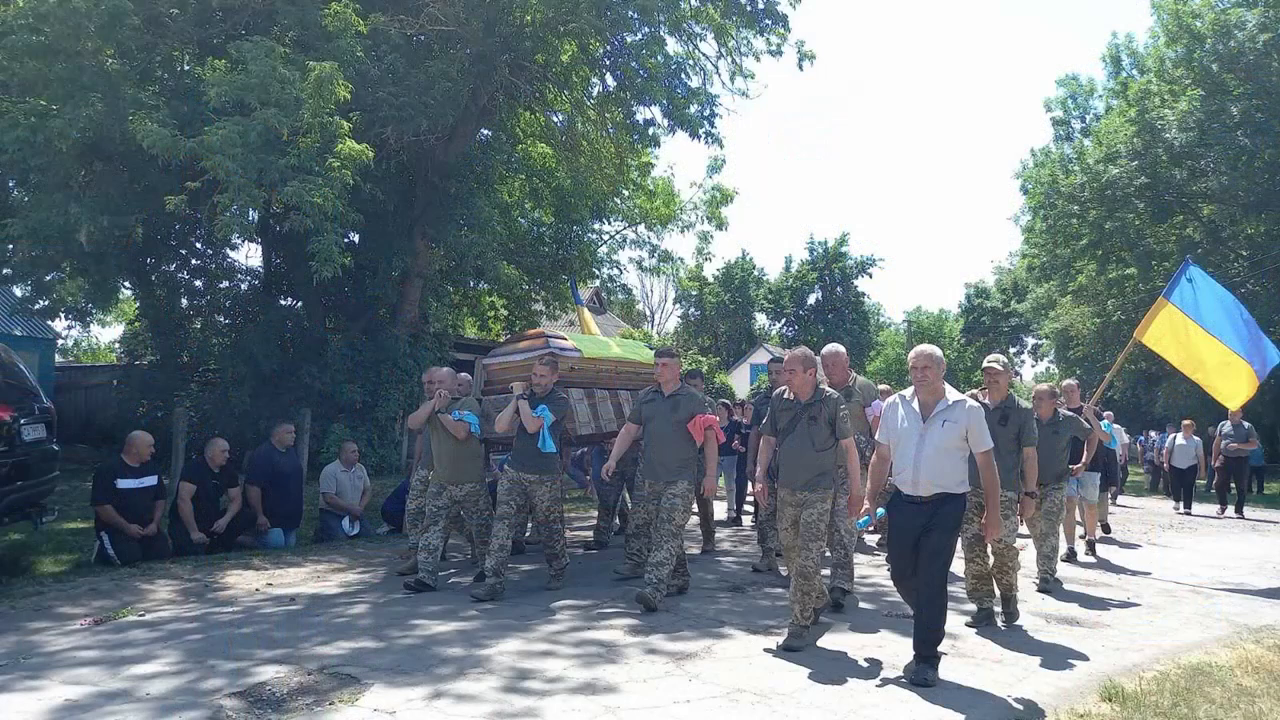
[[921, 499]]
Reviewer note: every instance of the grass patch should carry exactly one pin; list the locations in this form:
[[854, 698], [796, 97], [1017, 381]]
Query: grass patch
[[1137, 486], [1235, 683]]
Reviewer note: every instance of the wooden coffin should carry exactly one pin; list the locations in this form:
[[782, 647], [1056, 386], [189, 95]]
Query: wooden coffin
[[595, 415], [585, 362]]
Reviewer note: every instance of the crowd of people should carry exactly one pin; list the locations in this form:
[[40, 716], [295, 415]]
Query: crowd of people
[[1174, 460], [825, 451]]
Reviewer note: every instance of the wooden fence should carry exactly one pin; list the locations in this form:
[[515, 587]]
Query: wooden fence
[[86, 398]]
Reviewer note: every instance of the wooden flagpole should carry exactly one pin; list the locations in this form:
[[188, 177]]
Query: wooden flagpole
[[1097, 395]]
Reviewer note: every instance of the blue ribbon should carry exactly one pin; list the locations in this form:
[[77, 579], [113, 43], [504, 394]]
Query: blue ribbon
[[469, 418], [545, 442]]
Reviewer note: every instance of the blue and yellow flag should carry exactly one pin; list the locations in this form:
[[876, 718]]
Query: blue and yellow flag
[[585, 319], [1204, 332]]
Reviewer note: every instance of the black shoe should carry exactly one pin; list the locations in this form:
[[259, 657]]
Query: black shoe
[[737, 521], [817, 612], [1106, 528], [480, 577], [796, 640], [418, 585], [838, 594], [517, 547], [1091, 548], [1009, 609], [984, 617], [596, 546], [1070, 555], [925, 676], [1045, 585], [1083, 536]]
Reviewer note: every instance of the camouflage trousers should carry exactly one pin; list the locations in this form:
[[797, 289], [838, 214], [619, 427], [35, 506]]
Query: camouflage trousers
[[415, 514], [767, 523], [881, 526], [667, 509], [636, 544], [1046, 527], [611, 504], [1002, 565], [842, 533], [471, 503], [802, 527], [544, 495]]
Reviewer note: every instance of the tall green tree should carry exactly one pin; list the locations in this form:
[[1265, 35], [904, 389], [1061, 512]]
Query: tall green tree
[[816, 300], [1170, 155], [718, 311]]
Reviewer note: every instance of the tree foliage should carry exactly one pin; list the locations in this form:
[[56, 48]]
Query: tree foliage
[[307, 199], [1172, 154]]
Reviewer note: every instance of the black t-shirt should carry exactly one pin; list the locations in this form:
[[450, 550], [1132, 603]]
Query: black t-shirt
[[526, 457], [279, 474], [731, 432], [131, 491], [1097, 462], [206, 504]]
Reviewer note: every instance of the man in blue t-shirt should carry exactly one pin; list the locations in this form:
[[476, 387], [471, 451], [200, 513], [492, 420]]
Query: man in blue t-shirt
[[273, 486]]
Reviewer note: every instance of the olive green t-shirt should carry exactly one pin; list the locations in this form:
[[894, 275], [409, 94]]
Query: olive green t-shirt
[[807, 456], [456, 462], [1054, 444], [670, 452], [859, 396], [1013, 428], [526, 457]]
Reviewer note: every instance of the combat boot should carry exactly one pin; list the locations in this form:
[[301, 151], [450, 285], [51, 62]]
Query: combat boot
[[766, 563], [678, 590], [410, 567], [1009, 608], [648, 600], [628, 571], [796, 640], [488, 592], [556, 582], [841, 597], [984, 617]]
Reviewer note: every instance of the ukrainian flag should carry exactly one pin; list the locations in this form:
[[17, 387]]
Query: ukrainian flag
[[1204, 332], [585, 319]]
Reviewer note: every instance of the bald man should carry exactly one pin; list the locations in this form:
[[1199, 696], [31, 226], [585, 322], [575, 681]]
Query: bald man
[[198, 521], [128, 499], [466, 385]]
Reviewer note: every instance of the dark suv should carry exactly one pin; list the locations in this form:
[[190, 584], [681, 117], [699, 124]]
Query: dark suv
[[28, 447]]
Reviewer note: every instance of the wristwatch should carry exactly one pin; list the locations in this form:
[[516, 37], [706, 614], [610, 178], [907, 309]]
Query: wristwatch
[[1032, 494]]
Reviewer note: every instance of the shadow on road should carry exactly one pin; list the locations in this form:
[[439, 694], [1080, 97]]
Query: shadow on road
[[1052, 655], [971, 703], [830, 667], [1091, 602]]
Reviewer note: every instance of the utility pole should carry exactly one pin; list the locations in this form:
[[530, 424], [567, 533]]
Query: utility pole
[[907, 324]]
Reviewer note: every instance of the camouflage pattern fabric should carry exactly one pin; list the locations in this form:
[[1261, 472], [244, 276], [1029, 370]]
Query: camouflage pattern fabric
[[640, 529], [415, 507], [1002, 566], [802, 527], [471, 502], [767, 523], [544, 495], [842, 534], [1046, 527], [669, 506], [881, 526]]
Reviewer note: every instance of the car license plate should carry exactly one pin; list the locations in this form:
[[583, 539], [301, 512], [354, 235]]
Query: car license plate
[[34, 432]]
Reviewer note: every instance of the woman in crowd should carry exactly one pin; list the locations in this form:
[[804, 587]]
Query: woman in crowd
[[730, 426], [1184, 458]]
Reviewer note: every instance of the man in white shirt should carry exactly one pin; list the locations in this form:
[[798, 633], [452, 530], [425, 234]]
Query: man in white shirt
[[927, 433]]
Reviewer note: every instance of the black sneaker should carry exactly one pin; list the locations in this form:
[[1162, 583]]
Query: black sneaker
[[1091, 548], [1070, 555], [924, 676], [1106, 528], [984, 617]]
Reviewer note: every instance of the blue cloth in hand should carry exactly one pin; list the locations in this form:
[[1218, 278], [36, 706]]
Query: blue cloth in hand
[[545, 442], [469, 418]]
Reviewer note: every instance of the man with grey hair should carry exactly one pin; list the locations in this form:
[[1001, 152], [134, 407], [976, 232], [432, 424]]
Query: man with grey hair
[[930, 429], [861, 398], [345, 490], [466, 385], [806, 434]]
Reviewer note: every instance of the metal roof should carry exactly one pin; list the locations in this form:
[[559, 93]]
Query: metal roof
[[16, 320]]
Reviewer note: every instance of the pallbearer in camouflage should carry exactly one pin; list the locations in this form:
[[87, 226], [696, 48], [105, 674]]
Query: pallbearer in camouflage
[[610, 504], [862, 400], [1013, 430], [663, 414], [766, 517], [806, 430], [457, 479], [1056, 428], [415, 505], [532, 477]]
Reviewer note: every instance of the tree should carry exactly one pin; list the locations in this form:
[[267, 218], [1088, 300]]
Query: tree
[[817, 300], [888, 361], [404, 171], [718, 312], [1161, 160]]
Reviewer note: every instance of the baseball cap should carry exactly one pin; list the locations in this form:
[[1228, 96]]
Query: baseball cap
[[997, 361]]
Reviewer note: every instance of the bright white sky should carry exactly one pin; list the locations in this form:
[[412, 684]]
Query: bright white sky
[[906, 133]]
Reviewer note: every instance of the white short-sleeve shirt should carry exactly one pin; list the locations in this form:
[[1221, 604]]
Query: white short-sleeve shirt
[[932, 456]]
